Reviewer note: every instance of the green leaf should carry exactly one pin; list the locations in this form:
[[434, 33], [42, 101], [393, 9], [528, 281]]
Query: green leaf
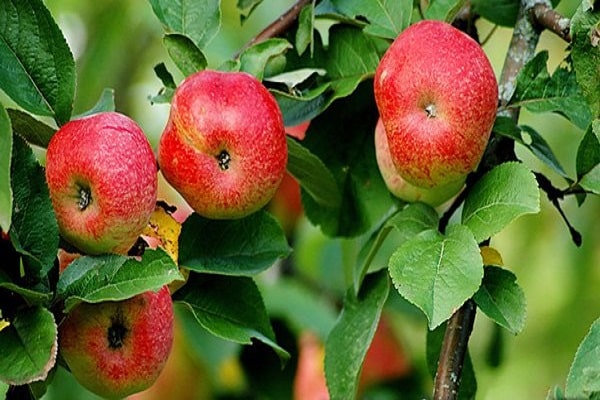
[[342, 137], [299, 306], [28, 346], [530, 139], [499, 197], [588, 153], [502, 299], [112, 277], [468, 381], [246, 7], [313, 175], [255, 58], [199, 20], [538, 92], [184, 53], [410, 221], [37, 69], [294, 80], [32, 130], [232, 247], [385, 18], [500, 12], [351, 337], [229, 307], [305, 32], [591, 180], [30, 295], [585, 54], [165, 76], [34, 230], [444, 10], [296, 109], [6, 195], [105, 103], [436, 272], [585, 366]]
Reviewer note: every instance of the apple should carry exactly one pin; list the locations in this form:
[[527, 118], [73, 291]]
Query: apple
[[398, 186], [437, 96], [224, 146], [102, 179], [118, 348]]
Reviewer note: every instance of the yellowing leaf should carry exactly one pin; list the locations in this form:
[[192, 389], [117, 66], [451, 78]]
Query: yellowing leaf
[[491, 256], [165, 229], [3, 324]]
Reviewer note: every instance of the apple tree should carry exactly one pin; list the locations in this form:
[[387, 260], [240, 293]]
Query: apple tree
[[293, 297]]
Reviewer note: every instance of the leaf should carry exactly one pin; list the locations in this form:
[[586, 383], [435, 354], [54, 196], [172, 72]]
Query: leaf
[[313, 175], [6, 195], [184, 53], [30, 295], [385, 18], [538, 92], [34, 230], [33, 131], [468, 382], [585, 54], [436, 272], [299, 306], [591, 180], [305, 32], [350, 338], [499, 197], [166, 93], [343, 138], [255, 58], [530, 139], [501, 299], [585, 365], [410, 221], [444, 10], [28, 346], [296, 109], [229, 307], [105, 103], [292, 80], [232, 247], [246, 7], [501, 12], [112, 277], [588, 153], [37, 69], [199, 20]]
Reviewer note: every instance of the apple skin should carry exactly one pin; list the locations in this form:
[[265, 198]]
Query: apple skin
[[399, 187], [437, 96], [102, 178], [224, 147], [115, 349]]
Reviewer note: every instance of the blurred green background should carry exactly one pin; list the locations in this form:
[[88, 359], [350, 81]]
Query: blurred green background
[[116, 44]]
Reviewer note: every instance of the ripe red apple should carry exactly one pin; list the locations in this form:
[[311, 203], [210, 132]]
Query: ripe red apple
[[437, 96], [224, 147], [102, 178], [398, 186], [115, 349]]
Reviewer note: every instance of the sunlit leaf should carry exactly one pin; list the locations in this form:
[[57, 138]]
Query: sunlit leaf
[[6, 140]]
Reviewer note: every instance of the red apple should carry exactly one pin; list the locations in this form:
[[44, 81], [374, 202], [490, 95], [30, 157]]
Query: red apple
[[224, 147], [101, 174], [398, 186], [437, 96], [115, 349]]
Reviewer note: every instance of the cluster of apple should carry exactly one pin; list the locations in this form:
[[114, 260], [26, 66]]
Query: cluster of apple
[[437, 97], [102, 178]]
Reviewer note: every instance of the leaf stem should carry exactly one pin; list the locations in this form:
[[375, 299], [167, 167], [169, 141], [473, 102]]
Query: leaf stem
[[277, 27]]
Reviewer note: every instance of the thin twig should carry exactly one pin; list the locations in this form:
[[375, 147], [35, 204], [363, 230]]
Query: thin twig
[[453, 352], [277, 27]]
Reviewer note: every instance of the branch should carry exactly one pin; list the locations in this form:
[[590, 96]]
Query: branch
[[453, 352], [547, 18], [277, 27]]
